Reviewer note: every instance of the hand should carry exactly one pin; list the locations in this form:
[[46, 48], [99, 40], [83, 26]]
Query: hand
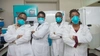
[[19, 36], [14, 42], [32, 32], [53, 32], [60, 36]]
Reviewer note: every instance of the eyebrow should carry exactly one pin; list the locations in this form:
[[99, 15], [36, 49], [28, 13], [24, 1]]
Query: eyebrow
[[58, 15]]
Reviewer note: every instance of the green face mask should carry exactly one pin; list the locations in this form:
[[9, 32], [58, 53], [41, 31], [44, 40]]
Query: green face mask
[[58, 19], [21, 22], [75, 19]]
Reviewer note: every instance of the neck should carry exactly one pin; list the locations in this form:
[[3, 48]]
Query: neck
[[18, 25], [59, 23], [76, 25]]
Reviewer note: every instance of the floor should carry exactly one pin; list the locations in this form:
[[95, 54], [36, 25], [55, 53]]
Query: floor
[[92, 51]]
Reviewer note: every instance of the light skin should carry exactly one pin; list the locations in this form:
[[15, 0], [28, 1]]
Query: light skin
[[75, 26]]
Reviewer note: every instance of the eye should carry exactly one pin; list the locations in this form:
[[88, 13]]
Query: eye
[[74, 15], [40, 17]]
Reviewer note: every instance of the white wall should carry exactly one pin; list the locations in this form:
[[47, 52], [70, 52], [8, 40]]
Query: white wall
[[7, 5]]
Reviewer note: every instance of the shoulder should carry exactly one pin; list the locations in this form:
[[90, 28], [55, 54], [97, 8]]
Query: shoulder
[[12, 26], [46, 23], [65, 23], [84, 26], [27, 25], [67, 27], [53, 23]]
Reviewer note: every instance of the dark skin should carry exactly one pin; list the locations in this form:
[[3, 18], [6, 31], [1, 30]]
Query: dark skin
[[75, 26], [40, 15], [59, 15], [24, 17]]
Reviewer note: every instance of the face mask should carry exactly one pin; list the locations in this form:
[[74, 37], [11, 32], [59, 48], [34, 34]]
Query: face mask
[[58, 19], [21, 22], [75, 19], [40, 20]]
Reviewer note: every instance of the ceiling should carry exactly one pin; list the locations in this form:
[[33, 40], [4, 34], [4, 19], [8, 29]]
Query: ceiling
[[95, 4]]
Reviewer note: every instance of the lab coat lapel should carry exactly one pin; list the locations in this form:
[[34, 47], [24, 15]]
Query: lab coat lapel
[[58, 26], [61, 25], [80, 29], [39, 27], [20, 30], [35, 26], [72, 29]]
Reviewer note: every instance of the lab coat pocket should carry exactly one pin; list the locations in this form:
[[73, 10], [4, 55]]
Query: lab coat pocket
[[26, 50], [40, 49]]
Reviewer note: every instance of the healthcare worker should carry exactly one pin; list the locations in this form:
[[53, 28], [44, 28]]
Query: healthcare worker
[[76, 36], [18, 37], [56, 35], [40, 32]]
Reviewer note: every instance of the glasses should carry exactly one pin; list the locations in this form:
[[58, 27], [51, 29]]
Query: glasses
[[22, 18]]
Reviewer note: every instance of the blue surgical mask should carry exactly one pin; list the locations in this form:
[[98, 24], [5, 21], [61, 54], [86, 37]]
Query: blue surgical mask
[[58, 19], [21, 22], [75, 19], [41, 20]]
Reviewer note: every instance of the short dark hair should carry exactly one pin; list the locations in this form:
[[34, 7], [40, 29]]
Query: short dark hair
[[41, 12], [21, 14], [57, 13], [73, 10]]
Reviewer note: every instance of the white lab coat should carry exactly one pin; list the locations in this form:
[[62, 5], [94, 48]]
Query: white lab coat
[[22, 46], [57, 42], [83, 36], [40, 43]]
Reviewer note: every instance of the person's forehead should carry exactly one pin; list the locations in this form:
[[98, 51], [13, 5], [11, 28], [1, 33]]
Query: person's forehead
[[41, 15], [74, 13], [23, 15], [58, 14]]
